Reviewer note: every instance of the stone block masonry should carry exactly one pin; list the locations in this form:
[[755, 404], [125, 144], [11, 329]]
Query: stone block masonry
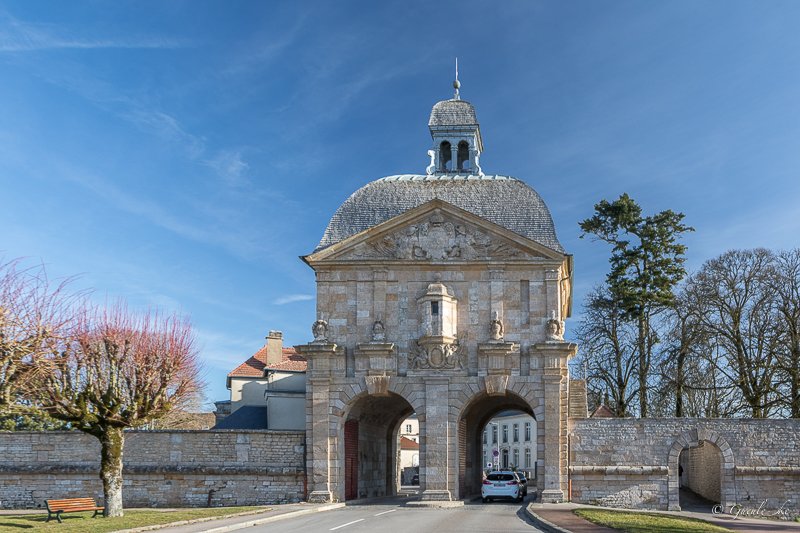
[[161, 468], [634, 463]]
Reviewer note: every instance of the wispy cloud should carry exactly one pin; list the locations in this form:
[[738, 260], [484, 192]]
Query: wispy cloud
[[19, 36], [292, 298], [227, 236], [229, 166]]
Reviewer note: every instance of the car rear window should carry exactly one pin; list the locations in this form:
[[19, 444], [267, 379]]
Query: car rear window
[[500, 477]]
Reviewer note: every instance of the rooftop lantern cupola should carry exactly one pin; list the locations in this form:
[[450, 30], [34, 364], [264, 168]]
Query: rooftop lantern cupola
[[456, 134]]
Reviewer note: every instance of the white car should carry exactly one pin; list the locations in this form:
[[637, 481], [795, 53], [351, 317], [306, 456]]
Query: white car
[[501, 484]]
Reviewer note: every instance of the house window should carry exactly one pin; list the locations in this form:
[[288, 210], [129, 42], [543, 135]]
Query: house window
[[494, 434], [527, 431], [408, 428], [485, 462], [505, 434], [505, 459], [434, 308], [516, 457], [516, 433], [527, 457], [484, 438]]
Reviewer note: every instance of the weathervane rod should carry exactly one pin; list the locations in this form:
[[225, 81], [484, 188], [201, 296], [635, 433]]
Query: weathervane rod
[[456, 84]]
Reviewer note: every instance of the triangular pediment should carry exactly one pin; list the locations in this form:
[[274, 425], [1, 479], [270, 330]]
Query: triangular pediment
[[435, 231]]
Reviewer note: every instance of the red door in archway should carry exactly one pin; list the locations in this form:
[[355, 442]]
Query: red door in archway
[[351, 460]]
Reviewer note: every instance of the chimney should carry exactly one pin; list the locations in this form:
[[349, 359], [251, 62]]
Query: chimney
[[274, 347]]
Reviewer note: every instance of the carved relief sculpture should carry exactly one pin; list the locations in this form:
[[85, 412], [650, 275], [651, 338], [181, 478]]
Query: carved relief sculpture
[[436, 356], [554, 329], [439, 239], [320, 330], [378, 331], [496, 330]]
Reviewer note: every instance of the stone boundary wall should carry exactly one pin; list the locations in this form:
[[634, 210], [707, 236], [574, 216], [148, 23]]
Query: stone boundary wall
[[633, 463], [161, 468]]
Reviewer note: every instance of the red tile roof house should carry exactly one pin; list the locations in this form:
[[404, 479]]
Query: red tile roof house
[[268, 391]]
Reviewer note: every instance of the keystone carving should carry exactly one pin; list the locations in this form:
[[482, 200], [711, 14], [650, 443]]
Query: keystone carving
[[436, 356], [378, 385], [495, 385], [439, 239]]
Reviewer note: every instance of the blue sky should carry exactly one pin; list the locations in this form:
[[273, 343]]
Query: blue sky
[[185, 154]]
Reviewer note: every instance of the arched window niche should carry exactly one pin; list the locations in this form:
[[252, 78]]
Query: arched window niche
[[445, 156], [463, 156]]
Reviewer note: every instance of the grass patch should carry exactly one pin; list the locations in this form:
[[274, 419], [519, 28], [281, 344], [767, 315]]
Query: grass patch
[[648, 522], [83, 522]]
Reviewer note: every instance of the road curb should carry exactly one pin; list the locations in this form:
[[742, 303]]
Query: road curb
[[543, 524], [241, 525]]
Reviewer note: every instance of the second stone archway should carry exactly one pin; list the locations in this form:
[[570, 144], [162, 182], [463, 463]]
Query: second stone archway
[[474, 416]]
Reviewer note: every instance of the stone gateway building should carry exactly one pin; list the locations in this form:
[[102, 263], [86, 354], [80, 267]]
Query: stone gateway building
[[442, 294]]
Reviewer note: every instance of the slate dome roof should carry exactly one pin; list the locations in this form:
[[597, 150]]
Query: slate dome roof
[[506, 201], [453, 113]]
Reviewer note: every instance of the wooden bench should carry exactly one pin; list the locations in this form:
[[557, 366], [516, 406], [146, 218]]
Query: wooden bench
[[56, 507]]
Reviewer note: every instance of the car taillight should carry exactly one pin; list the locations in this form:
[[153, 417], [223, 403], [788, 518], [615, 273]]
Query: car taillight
[[513, 483], [487, 482]]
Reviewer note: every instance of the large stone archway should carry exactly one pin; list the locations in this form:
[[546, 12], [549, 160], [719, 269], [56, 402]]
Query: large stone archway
[[370, 467], [692, 439], [474, 416]]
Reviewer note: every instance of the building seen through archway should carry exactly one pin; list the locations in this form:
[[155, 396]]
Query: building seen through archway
[[509, 441], [441, 294]]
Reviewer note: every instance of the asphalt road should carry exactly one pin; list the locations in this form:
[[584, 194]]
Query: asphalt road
[[500, 517]]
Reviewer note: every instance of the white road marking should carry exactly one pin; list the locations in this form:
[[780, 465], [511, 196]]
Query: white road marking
[[391, 511], [347, 524]]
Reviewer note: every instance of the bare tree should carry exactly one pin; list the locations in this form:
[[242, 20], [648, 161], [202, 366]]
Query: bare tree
[[34, 311], [683, 341], [608, 345], [118, 369], [737, 310], [786, 285]]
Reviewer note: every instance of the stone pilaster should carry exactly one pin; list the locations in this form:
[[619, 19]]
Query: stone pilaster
[[555, 356], [324, 360], [434, 456]]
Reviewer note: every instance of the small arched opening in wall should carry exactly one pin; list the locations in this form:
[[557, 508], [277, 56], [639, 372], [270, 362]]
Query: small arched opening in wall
[[370, 454], [700, 470], [445, 156], [476, 421], [463, 156]]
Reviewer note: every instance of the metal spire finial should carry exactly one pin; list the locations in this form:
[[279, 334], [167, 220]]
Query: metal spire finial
[[456, 84]]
